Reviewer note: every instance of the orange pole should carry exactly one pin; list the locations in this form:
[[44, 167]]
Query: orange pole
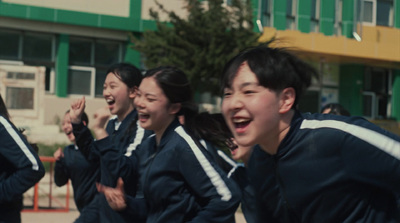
[[67, 198], [36, 198]]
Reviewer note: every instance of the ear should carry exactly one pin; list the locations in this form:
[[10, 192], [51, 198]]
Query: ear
[[84, 123], [132, 92], [287, 98], [174, 108]]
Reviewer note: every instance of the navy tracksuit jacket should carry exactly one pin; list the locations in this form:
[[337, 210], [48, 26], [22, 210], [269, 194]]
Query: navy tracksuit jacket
[[329, 169], [82, 173], [181, 184], [20, 169], [124, 137], [238, 173]]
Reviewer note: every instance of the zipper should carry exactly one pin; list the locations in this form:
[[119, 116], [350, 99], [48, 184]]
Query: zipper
[[149, 161], [282, 189]]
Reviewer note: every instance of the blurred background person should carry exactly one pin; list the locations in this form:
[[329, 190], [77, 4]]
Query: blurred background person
[[72, 165], [335, 109]]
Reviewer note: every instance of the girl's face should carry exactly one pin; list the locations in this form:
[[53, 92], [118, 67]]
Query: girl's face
[[67, 127], [155, 111], [251, 111], [241, 152], [118, 96]]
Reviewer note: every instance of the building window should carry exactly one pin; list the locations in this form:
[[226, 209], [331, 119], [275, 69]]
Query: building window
[[80, 52], [11, 50], [267, 13], [315, 12], [91, 58], [80, 80], [377, 93], [291, 12], [37, 47], [29, 48], [367, 11], [377, 12], [384, 13]]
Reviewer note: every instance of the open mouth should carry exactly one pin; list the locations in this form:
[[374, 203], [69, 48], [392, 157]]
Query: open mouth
[[231, 145], [143, 117], [110, 101], [241, 123]]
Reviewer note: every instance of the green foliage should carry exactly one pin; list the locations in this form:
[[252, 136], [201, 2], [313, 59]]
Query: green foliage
[[201, 44]]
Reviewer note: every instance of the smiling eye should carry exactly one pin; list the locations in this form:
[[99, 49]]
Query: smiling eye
[[249, 92], [227, 93]]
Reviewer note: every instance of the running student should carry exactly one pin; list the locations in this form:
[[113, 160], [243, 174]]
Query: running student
[[307, 167], [72, 165], [180, 181], [122, 133], [20, 168], [234, 166]]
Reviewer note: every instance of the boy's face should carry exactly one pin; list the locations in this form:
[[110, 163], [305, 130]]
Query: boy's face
[[251, 111], [67, 127]]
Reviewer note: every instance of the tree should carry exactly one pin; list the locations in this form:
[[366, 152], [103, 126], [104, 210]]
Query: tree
[[201, 44]]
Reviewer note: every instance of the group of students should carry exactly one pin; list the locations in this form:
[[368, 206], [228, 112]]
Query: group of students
[[158, 160]]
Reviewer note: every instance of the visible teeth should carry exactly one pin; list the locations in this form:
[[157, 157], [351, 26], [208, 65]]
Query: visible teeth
[[109, 100], [239, 120]]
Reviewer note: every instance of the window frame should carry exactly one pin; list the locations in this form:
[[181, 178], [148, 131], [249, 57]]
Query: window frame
[[92, 71], [377, 96], [93, 65], [374, 7]]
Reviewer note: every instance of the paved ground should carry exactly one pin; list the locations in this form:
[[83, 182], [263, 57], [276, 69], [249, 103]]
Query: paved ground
[[48, 204], [43, 217]]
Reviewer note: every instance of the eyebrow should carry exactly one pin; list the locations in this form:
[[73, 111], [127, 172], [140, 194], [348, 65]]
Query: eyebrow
[[150, 94], [245, 84], [147, 94]]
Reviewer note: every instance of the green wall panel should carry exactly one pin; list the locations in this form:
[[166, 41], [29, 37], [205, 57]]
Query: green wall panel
[[327, 17], [279, 14], [396, 95], [347, 18], [62, 66], [396, 13], [350, 88], [304, 18], [131, 23]]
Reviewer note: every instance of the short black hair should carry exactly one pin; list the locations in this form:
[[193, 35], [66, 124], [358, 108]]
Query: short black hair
[[336, 109], [275, 69]]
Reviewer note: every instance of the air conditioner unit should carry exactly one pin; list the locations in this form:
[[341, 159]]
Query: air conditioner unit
[[22, 88]]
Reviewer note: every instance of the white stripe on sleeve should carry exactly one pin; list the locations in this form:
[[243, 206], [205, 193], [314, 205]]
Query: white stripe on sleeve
[[376, 139], [214, 176], [14, 135], [138, 139]]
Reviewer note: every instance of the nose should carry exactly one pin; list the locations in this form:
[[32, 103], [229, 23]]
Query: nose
[[105, 92], [138, 102], [235, 102]]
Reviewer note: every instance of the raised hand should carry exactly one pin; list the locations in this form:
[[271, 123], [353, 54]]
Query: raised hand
[[77, 109], [114, 196], [58, 154], [101, 116]]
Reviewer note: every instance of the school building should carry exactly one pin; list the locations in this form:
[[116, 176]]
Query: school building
[[52, 51], [355, 45]]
